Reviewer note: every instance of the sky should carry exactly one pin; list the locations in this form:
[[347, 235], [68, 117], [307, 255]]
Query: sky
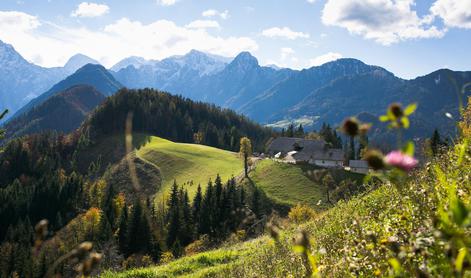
[[409, 38]]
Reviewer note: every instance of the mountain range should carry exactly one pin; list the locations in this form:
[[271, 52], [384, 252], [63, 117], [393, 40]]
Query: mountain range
[[266, 94], [22, 81]]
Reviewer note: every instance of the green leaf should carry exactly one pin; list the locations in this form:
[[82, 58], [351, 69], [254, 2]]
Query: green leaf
[[405, 122], [383, 118], [3, 114], [396, 265], [459, 211], [410, 109], [462, 151], [409, 148], [460, 259], [299, 249]]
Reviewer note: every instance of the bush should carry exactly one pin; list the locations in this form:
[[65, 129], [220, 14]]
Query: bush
[[301, 213]]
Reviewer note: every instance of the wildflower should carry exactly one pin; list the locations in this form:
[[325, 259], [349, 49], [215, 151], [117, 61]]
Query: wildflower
[[351, 127], [400, 160], [375, 159], [396, 110]]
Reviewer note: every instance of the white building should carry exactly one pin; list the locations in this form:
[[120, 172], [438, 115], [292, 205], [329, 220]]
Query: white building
[[298, 150], [359, 166]]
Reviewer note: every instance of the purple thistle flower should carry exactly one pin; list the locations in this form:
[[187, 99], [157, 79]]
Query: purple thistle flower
[[400, 160]]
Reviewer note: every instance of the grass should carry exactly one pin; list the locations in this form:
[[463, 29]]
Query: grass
[[189, 164], [290, 184], [286, 183], [206, 264]]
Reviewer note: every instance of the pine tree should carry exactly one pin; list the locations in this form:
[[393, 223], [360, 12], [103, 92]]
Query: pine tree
[[138, 230], [123, 231], [196, 208], [187, 231], [204, 226], [173, 216]]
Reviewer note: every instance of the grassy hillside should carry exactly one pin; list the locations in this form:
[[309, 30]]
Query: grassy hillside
[[402, 229], [292, 184], [189, 164], [286, 183]]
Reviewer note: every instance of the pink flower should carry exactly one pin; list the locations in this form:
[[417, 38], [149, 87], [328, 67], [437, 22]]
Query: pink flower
[[400, 160]]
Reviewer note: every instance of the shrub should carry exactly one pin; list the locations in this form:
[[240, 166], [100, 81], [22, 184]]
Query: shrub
[[301, 213]]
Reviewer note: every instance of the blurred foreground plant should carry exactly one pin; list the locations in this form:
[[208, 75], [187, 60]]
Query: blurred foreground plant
[[85, 261]]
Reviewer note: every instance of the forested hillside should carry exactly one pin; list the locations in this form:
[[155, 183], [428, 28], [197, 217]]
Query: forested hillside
[[175, 118], [68, 180]]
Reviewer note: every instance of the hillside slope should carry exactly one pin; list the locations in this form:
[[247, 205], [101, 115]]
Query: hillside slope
[[189, 164], [63, 112], [393, 230], [289, 184]]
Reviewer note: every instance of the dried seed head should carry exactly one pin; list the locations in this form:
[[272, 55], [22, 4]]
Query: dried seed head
[[396, 110], [274, 231], [302, 239], [351, 127], [91, 263], [375, 159], [41, 229], [364, 128], [83, 250]]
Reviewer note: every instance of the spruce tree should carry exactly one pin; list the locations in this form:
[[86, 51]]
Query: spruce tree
[[204, 226], [173, 216], [123, 231]]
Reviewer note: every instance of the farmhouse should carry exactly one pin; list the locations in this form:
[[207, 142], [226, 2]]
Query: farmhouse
[[359, 166], [298, 150]]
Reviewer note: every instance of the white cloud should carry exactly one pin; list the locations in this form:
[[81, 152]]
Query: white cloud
[[284, 32], [86, 9], [203, 24], [385, 21], [322, 59], [455, 13], [311, 1], [17, 21], [166, 2], [211, 13], [51, 45], [286, 52]]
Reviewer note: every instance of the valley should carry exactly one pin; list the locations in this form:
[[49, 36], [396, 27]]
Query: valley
[[179, 138]]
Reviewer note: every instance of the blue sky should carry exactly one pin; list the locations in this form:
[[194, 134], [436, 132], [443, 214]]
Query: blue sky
[[409, 38]]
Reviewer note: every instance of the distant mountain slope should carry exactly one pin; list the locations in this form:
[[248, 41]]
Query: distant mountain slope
[[238, 83], [63, 112], [94, 75], [77, 61], [436, 93], [175, 74], [299, 85], [21, 81]]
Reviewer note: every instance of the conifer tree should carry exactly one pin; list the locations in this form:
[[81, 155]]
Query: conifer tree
[[196, 207], [206, 207], [123, 231], [173, 215]]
